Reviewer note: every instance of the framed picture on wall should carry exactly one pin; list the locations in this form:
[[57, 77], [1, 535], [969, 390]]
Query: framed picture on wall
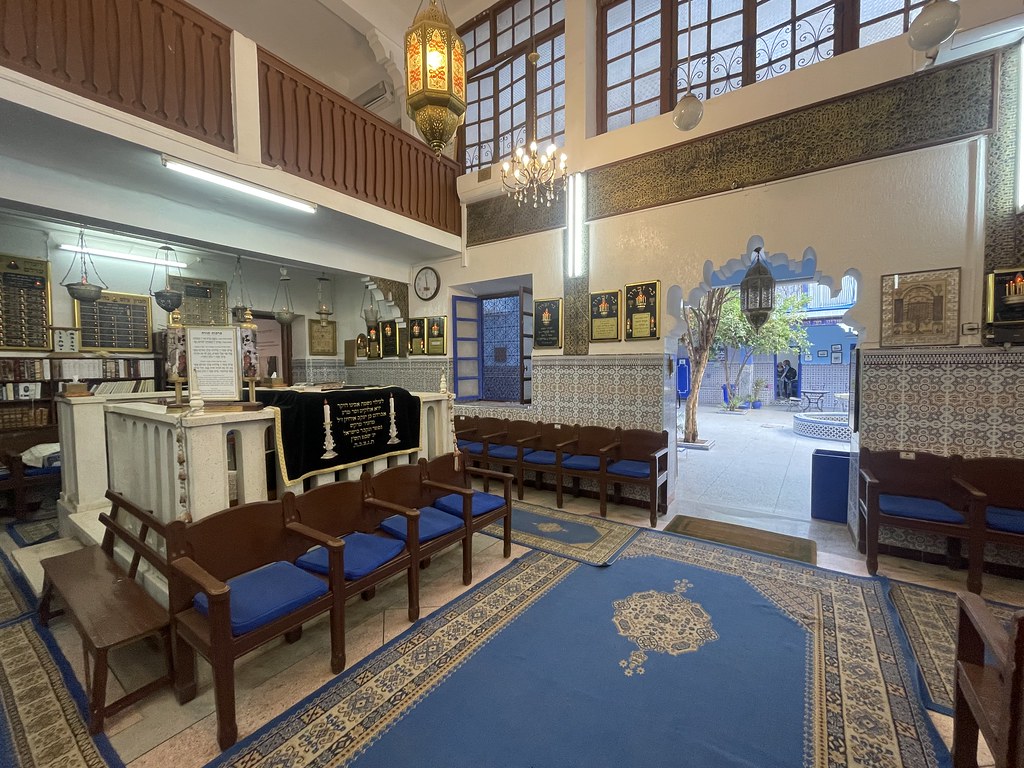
[[417, 336], [323, 338], [437, 335], [604, 315], [547, 324], [822, 353], [837, 358], [921, 309], [642, 310]]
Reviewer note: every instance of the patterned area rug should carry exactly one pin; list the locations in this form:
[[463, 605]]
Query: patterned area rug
[[14, 601], [929, 617], [726, 657], [591, 540], [42, 704], [30, 532], [769, 542]]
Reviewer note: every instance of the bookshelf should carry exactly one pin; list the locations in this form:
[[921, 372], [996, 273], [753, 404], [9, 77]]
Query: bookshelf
[[28, 385]]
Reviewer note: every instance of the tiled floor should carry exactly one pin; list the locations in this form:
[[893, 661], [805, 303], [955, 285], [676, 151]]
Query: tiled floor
[[757, 474]]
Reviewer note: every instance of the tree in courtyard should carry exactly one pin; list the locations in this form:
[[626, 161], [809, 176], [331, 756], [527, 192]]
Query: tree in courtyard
[[699, 340], [739, 342]]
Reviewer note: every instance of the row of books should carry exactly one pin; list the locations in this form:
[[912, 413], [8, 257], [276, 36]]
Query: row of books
[[121, 387], [13, 418], [21, 390], [100, 368], [24, 368]]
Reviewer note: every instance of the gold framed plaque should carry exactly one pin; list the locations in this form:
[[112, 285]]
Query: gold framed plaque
[[24, 304], [116, 322], [642, 306], [437, 335], [323, 339], [604, 315]]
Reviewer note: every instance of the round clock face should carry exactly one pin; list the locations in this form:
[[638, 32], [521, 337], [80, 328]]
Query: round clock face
[[427, 283]]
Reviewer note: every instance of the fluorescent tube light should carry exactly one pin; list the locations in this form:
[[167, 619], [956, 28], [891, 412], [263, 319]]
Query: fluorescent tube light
[[238, 185], [124, 256]]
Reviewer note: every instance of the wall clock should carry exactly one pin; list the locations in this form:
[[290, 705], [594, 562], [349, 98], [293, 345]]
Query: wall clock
[[427, 283]]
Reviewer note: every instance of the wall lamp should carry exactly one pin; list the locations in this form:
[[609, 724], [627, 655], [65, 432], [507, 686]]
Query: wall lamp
[[124, 256], [198, 172]]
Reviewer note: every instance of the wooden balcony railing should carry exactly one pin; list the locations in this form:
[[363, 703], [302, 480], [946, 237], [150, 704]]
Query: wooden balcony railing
[[316, 133], [159, 59]]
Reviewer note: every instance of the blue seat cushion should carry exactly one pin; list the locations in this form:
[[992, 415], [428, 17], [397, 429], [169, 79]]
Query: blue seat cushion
[[1005, 519], [630, 468], [542, 457], [35, 471], [503, 451], [482, 503], [471, 446], [433, 523], [582, 462], [919, 509], [270, 592], [364, 553]]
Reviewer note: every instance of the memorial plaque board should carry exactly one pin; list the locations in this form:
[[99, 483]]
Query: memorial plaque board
[[24, 303], [389, 338], [604, 315], [116, 322], [417, 336], [642, 306], [547, 324], [205, 301], [437, 335]]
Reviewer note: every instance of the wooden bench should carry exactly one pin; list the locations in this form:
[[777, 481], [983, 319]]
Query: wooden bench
[[107, 605], [919, 491], [20, 478]]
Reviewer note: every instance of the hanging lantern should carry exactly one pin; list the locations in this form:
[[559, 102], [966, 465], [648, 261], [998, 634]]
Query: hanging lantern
[[323, 308], [435, 60], [80, 289], [757, 293], [166, 298], [284, 312]]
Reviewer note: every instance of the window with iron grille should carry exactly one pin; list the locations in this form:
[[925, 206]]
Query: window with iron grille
[[650, 50], [508, 104]]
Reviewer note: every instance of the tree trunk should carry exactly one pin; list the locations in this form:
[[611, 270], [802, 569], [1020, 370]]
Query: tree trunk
[[699, 338]]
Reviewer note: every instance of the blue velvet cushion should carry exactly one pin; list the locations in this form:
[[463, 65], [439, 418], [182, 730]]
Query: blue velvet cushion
[[630, 468], [542, 457], [582, 462], [1005, 519], [270, 592], [34, 471], [470, 446], [433, 523], [364, 553], [482, 503], [502, 451], [919, 509]]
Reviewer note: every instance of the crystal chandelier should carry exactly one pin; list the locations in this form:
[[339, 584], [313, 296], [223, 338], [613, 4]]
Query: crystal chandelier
[[536, 175]]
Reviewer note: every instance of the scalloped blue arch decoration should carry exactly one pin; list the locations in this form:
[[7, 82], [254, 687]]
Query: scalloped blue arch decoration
[[784, 269]]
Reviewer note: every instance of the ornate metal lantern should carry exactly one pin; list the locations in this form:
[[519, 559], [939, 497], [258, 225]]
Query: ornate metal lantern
[[757, 292], [435, 60]]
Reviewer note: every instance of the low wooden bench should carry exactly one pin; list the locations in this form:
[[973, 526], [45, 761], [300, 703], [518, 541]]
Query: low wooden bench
[[19, 478], [107, 605]]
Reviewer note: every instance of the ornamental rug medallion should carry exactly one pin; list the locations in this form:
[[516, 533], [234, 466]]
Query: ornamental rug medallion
[[591, 540], [747, 661]]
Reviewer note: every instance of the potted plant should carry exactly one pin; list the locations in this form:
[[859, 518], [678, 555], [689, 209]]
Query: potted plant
[[755, 394]]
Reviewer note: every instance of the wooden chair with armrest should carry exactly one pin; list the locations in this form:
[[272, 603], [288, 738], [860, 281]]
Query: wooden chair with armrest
[[919, 491], [18, 477], [580, 457], [233, 586], [639, 457], [460, 499], [540, 452], [989, 686], [372, 555], [398, 490]]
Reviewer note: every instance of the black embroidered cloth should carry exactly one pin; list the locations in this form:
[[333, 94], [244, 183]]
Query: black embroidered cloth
[[365, 423]]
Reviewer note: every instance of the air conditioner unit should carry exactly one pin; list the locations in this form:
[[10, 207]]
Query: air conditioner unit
[[377, 95]]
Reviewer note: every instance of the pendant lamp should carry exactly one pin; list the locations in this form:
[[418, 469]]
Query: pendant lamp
[[690, 109]]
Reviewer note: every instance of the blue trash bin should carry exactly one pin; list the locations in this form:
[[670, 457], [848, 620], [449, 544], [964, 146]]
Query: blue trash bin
[[830, 485]]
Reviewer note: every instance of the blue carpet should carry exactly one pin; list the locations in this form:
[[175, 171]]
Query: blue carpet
[[591, 540], [28, 532], [43, 708], [681, 654]]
